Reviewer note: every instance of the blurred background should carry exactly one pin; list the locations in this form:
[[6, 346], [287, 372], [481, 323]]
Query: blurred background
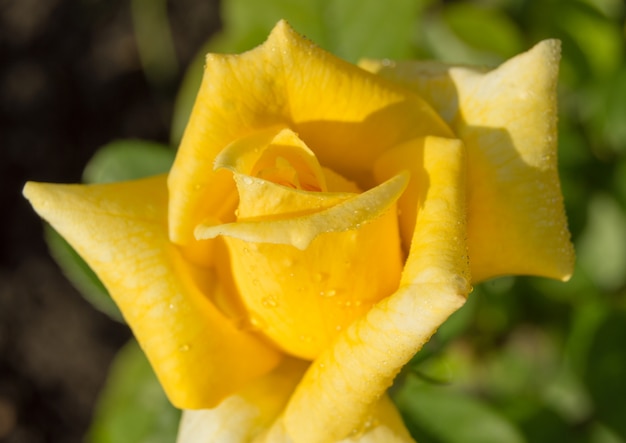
[[526, 360]]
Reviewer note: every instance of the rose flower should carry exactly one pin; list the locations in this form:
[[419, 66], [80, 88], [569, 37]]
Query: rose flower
[[320, 222]]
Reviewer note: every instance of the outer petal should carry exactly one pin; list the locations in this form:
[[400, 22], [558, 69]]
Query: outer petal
[[344, 114], [383, 425], [246, 415], [120, 230], [338, 391], [507, 119]]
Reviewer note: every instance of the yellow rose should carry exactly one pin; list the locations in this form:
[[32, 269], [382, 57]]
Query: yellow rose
[[319, 224]]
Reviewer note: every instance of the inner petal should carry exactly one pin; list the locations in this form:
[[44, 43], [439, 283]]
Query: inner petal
[[301, 255], [301, 298], [277, 155]]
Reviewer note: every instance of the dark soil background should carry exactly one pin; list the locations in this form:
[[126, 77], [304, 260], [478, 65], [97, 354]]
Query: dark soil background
[[70, 81]]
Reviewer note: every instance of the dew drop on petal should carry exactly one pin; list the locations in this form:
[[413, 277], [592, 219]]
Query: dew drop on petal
[[287, 262], [269, 302], [257, 323], [319, 277], [305, 338], [328, 293]]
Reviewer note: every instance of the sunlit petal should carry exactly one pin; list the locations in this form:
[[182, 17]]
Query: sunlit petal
[[246, 415], [296, 273], [344, 114], [347, 379], [507, 119], [301, 231], [120, 230]]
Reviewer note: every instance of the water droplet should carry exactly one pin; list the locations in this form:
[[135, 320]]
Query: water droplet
[[184, 348], [256, 323], [247, 180], [338, 328], [328, 293], [172, 306], [287, 262], [269, 302], [319, 277]]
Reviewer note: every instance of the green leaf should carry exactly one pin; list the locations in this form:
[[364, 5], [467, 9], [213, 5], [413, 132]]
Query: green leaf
[[602, 246], [439, 414], [154, 40], [484, 29], [133, 406], [605, 372], [350, 29], [128, 160], [601, 40], [80, 274]]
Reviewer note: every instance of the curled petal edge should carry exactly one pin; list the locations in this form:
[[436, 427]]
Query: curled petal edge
[[301, 231]]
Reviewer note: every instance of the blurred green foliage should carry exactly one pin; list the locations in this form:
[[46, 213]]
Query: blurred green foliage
[[133, 407], [526, 359]]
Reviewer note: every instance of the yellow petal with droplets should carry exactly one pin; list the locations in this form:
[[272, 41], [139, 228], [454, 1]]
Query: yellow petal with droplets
[[347, 116], [382, 425], [120, 230], [245, 415], [301, 231], [450, 160], [507, 119], [302, 296], [347, 379]]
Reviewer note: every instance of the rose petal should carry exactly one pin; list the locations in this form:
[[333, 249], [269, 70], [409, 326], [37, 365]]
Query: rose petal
[[260, 153], [246, 415], [344, 114], [120, 230], [339, 389], [301, 231], [383, 425], [507, 119], [302, 296]]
